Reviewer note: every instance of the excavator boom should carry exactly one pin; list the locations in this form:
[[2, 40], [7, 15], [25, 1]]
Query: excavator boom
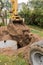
[[14, 6]]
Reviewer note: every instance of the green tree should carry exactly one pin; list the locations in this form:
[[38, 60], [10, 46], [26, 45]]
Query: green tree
[[24, 12], [1, 7], [4, 8], [37, 14], [36, 4]]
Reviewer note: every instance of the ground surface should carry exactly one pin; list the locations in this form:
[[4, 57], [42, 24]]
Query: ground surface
[[14, 60], [19, 59], [36, 30]]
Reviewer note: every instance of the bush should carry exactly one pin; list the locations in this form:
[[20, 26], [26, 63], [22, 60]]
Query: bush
[[33, 19], [2, 24]]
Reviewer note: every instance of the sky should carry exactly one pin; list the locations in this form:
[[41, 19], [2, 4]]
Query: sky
[[20, 1]]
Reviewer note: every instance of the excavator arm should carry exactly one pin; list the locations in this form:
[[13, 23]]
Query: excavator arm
[[15, 18], [14, 7]]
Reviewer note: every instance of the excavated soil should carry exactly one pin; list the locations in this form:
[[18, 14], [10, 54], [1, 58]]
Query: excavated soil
[[21, 34], [18, 32]]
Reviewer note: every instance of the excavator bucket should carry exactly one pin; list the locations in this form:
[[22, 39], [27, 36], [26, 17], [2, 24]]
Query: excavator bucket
[[17, 19]]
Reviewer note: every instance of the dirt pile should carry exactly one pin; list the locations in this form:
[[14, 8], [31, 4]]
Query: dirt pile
[[4, 35], [18, 32], [21, 33]]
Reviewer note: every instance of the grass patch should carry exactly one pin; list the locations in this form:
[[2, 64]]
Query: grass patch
[[14, 60], [36, 30], [2, 24]]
